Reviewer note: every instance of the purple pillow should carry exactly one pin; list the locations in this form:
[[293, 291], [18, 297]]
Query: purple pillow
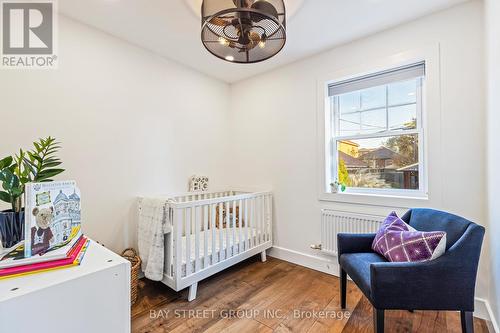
[[397, 241]]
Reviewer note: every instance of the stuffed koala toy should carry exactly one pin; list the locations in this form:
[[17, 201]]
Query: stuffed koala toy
[[41, 235]]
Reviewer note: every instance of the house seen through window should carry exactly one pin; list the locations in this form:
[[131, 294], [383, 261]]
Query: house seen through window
[[376, 129]]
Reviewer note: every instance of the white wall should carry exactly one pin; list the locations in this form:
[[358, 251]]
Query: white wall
[[492, 8], [274, 126], [130, 123], [133, 123]]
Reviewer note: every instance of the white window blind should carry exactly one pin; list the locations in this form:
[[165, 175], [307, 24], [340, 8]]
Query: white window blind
[[377, 79]]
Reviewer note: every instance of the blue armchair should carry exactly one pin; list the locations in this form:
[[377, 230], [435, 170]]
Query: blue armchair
[[446, 283]]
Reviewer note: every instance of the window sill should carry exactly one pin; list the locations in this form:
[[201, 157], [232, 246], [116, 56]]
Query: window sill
[[377, 199]]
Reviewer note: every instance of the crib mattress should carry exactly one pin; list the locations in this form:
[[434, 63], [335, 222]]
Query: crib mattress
[[234, 246]]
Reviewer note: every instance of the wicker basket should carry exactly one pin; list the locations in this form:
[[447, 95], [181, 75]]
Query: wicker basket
[[131, 255]]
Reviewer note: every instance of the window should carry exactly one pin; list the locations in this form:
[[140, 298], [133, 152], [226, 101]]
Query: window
[[376, 132]]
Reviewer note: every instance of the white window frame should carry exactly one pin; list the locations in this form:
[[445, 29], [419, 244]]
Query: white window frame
[[429, 116]]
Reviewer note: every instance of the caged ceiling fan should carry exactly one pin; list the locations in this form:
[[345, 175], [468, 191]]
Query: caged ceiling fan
[[243, 31]]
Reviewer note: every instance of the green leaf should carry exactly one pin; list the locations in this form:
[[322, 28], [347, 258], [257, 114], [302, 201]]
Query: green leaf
[[15, 182], [7, 174], [35, 157], [51, 159], [43, 159], [5, 162], [30, 161], [17, 191], [4, 196], [54, 147], [30, 166], [26, 173], [10, 180], [52, 164], [37, 146], [49, 173]]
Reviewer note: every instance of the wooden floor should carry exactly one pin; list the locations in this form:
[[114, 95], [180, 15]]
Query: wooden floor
[[274, 296]]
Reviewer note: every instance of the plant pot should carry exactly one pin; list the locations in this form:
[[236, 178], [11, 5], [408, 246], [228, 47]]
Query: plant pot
[[11, 228]]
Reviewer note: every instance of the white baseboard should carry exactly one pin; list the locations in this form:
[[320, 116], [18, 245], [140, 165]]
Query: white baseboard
[[483, 311], [492, 319], [307, 260], [330, 266]]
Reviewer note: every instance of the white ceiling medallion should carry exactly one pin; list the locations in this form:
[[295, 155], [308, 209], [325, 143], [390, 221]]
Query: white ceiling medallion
[[292, 6]]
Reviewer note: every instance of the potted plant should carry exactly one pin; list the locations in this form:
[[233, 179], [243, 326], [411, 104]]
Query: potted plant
[[36, 165], [336, 185]]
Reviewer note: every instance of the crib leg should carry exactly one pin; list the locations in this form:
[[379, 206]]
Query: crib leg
[[192, 291], [263, 257]]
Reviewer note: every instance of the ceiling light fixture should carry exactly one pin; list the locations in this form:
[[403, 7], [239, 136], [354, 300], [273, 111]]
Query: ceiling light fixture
[[248, 32]]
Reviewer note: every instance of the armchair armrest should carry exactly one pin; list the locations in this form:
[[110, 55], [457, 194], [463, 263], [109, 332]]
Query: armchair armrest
[[354, 243]]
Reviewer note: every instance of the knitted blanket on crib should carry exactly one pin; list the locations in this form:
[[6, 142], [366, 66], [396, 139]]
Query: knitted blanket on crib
[[152, 226]]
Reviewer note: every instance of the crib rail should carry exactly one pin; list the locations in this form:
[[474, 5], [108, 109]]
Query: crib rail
[[190, 197], [212, 229], [213, 198]]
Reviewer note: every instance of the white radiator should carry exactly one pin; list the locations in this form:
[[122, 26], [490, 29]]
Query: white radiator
[[333, 222]]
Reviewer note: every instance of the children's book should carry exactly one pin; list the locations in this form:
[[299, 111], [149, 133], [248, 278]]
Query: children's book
[[15, 257], [74, 259], [52, 217]]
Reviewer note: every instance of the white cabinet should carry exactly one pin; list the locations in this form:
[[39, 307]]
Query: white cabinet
[[93, 297]]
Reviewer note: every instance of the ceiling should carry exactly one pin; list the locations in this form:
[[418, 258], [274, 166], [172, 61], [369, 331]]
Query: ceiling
[[172, 29]]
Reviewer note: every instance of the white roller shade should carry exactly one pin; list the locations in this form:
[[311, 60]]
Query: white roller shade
[[377, 79]]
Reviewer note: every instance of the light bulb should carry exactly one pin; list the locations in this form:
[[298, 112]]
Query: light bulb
[[223, 41], [262, 44], [229, 58]]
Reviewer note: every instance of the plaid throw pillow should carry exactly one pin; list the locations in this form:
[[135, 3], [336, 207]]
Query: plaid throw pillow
[[397, 241]]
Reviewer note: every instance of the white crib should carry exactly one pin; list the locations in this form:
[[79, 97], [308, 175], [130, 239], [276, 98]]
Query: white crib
[[211, 231]]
